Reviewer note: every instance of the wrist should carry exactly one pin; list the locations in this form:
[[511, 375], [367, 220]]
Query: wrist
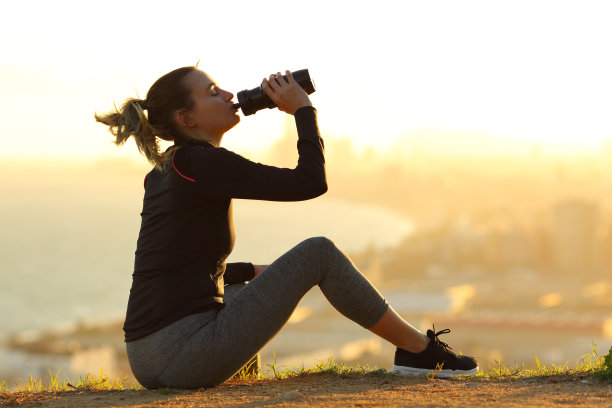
[[302, 107]]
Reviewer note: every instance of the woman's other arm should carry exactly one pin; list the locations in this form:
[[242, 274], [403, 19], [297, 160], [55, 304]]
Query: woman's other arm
[[240, 272], [218, 172]]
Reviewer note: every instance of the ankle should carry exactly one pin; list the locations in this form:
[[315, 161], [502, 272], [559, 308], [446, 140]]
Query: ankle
[[416, 346]]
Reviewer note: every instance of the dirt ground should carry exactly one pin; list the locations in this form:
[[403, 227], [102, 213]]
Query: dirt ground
[[357, 390]]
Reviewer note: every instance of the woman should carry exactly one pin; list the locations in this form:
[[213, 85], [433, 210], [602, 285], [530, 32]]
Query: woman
[[179, 331]]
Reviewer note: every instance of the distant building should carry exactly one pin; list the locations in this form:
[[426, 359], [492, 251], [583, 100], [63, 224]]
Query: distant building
[[574, 237], [283, 153]]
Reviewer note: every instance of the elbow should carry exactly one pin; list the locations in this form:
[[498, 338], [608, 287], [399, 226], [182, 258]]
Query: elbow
[[323, 189], [312, 185], [319, 189]]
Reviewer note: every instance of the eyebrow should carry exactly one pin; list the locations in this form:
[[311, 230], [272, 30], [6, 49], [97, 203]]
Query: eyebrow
[[211, 85]]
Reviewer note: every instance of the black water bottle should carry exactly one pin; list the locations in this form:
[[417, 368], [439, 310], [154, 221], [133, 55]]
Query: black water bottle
[[250, 101]]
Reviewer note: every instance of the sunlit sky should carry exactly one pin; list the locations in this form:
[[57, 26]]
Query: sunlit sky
[[388, 73]]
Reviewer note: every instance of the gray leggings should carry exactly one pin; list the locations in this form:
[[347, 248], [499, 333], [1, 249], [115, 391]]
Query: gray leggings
[[205, 349]]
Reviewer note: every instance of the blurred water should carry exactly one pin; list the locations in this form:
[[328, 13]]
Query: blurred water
[[67, 254]]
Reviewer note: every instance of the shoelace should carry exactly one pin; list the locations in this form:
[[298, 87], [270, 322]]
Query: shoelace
[[442, 344]]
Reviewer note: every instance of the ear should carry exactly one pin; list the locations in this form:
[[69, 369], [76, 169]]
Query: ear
[[183, 118]]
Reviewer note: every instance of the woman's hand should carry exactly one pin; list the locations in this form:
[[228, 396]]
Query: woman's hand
[[287, 95], [259, 268]]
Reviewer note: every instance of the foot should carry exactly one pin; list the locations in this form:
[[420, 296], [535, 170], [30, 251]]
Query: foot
[[438, 358]]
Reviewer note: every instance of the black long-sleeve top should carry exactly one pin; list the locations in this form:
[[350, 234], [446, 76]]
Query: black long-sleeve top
[[187, 230]]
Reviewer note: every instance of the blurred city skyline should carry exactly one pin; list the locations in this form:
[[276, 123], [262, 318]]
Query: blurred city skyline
[[510, 251]]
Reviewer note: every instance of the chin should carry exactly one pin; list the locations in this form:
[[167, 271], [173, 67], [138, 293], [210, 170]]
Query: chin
[[236, 121]]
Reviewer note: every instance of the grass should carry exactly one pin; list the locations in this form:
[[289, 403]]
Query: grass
[[87, 383], [604, 371], [37, 390], [329, 366], [590, 364]]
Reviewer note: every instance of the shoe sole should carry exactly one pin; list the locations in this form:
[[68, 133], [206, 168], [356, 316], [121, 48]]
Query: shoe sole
[[414, 372]]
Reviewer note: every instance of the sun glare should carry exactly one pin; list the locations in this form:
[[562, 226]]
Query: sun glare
[[397, 69]]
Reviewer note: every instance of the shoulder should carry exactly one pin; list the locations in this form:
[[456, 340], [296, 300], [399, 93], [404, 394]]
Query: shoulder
[[192, 162], [198, 154]]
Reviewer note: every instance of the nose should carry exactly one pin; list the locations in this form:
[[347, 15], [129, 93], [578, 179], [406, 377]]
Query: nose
[[228, 95]]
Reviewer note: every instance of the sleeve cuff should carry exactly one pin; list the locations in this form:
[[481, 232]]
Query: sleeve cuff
[[239, 272], [306, 122]]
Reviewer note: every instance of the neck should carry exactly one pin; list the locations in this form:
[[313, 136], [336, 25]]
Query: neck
[[202, 136]]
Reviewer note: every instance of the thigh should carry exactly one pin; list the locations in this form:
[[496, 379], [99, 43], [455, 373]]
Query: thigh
[[248, 321], [150, 355]]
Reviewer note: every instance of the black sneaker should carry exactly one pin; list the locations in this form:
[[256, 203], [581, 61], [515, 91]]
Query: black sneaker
[[437, 358]]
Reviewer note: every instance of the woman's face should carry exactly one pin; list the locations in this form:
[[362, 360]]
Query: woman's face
[[213, 112]]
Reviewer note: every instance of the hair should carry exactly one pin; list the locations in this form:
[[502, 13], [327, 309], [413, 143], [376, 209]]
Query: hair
[[167, 95]]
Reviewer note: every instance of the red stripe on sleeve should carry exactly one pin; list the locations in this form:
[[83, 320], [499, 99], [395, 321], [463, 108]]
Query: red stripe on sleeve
[[180, 174]]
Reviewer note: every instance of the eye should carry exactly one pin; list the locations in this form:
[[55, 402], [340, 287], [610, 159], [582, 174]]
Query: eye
[[213, 91]]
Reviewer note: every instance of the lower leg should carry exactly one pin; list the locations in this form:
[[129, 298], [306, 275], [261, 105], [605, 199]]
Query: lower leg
[[400, 333], [354, 296]]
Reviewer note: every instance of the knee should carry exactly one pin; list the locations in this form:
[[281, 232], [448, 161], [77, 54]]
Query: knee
[[320, 244]]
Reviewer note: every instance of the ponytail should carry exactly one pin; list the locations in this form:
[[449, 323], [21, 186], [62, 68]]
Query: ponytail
[[131, 120], [167, 95]]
